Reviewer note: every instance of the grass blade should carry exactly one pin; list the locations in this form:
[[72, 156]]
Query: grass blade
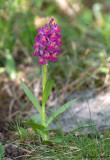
[[2, 151], [80, 127]]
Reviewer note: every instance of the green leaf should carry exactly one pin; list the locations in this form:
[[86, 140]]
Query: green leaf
[[2, 151], [57, 132], [10, 65], [47, 90], [34, 125], [60, 110], [57, 139], [31, 97], [37, 128], [37, 119]]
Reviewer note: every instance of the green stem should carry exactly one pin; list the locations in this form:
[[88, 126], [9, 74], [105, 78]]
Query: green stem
[[44, 77]]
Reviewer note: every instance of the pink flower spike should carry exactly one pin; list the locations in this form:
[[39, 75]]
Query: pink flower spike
[[51, 46], [35, 53], [47, 57], [50, 23], [47, 32], [56, 28], [59, 42], [46, 26], [35, 46], [41, 62], [53, 57], [54, 36], [43, 40], [47, 44]]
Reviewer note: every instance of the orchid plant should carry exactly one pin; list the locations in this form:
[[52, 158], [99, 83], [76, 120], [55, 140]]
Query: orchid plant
[[47, 49]]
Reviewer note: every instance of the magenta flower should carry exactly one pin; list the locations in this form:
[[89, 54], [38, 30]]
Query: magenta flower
[[47, 43]]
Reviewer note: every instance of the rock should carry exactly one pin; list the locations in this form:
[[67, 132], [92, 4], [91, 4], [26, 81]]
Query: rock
[[90, 107]]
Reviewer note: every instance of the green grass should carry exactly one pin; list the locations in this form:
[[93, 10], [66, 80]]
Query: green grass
[[77, 144], [2, 151], [83, 146]]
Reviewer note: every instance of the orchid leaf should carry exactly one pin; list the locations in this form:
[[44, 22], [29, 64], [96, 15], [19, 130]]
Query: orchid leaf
[[34, 125], [31, 97], [37, 128], [38, 119], [59, 111], [47, 90], [57, 139]]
